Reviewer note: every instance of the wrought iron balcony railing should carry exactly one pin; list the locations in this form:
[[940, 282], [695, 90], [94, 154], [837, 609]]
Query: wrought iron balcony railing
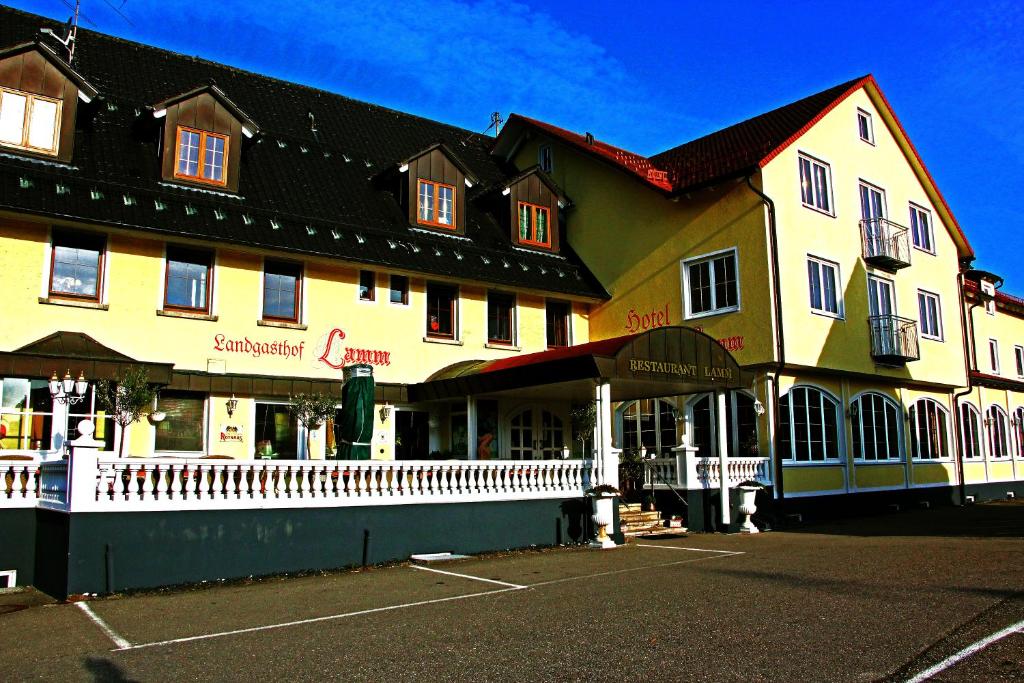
[[885, 244], [893, 339]]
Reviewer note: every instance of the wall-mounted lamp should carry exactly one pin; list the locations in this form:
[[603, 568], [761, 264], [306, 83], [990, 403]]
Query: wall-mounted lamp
[[384, 412], [68, 391], [758, 407], [231, 405], [853, 411]]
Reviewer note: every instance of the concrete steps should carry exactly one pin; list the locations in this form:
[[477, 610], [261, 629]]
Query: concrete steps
[[635, 522]]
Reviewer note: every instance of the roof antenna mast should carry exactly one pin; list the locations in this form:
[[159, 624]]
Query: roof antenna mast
[[495, 123], [70, 32]]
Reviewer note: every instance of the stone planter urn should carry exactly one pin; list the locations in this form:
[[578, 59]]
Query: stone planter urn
[[603, 516], [747, 508]]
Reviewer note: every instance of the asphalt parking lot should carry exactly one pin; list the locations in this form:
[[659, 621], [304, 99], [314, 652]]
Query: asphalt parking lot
[[887, 598]]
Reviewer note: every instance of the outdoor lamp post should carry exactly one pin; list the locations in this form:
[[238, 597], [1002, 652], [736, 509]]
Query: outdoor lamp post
[[68, 391]]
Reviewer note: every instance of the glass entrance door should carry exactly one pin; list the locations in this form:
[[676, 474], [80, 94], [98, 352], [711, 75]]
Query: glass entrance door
[[536, 434]]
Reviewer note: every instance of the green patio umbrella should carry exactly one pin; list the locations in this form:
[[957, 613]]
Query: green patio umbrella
[[355, 426]]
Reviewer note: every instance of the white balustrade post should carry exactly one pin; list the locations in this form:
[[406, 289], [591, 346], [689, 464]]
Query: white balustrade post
[[83, 469], [606, 460], [723, 468]]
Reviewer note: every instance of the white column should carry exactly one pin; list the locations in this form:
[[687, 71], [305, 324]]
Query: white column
[[58, 427], [723, 466], [471, 437], [606, 461], [82, 469]]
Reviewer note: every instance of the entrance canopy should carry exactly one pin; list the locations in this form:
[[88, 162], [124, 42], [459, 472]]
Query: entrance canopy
[[666, 361]]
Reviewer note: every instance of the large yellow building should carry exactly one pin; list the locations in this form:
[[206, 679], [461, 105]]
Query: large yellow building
[[246, 240]]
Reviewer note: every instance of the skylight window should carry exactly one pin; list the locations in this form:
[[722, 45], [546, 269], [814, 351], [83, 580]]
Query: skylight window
[[29, 122], [201, 156]]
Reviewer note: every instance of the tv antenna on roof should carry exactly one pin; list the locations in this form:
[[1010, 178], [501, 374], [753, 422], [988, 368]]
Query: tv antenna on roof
[[70, 31], [495, 123]]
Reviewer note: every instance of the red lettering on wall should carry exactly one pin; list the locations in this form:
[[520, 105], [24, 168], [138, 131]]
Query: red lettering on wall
[[641, 322]]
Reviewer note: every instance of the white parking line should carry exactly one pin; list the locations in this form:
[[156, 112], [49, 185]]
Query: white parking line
[[696, 550], [967, 652], [314, 620], [468, 576], [121, 643]]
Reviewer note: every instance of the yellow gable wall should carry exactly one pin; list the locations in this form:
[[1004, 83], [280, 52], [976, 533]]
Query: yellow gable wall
[[815, 340], [135, 274], [1007, 330], [633, 238]]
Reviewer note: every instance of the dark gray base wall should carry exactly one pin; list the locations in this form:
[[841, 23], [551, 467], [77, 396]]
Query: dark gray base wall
[[995, 491], [18, 543], [110, 552]]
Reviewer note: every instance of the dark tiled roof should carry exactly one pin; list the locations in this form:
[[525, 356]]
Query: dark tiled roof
[[306, 192], [745, 146]]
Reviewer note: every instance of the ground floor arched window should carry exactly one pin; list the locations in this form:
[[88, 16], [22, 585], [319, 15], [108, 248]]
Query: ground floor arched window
[[875, 422], [649, 425], [1018, 430], [998, 432], [928, 430], [809, 425], [741, 425], [970, 431]]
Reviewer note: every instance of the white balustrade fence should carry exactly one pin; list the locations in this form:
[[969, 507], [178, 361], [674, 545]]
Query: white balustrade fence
[[686, 470], [132, 484], [19, 483]]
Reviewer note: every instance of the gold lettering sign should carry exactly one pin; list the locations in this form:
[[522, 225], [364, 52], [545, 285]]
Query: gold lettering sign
[[679, 369]]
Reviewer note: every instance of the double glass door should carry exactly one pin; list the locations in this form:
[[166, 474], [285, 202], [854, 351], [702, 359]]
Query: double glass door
[[537, 434]]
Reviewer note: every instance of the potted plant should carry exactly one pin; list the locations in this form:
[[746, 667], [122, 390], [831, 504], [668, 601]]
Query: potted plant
[[747, 507], [126, 399], [603, 515], [312, 410]]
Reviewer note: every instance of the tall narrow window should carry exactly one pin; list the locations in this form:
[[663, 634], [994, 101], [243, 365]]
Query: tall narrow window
[[993, 355], [921, 229], [809, 425], [649, 426], [29, 122], [436, 204], [201, 156], [399, 290], [970, 431], [822, 278], [998, 434], [815, 184], [711, 284], [931, 316], [864, 127], [76, 265], [533, 225], [875, 422], [282, 291], [1018, 431], [1018, 356], [367, 285], [557, 314], [545, 158], [189, 278], [276, 432], [928, 432], [182, 429], [501, 311], [442, 311]]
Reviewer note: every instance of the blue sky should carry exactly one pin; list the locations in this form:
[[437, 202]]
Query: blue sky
[[645, 76]]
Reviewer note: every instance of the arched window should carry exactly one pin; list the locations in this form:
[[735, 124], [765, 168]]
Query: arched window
[[996, 424], [649, 424], [741, 425], [970, 431], [808, 425], [875, 420], [1018, 430], [928, 430]]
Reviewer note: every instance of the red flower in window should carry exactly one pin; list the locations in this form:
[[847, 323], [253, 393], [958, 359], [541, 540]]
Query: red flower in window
[[434, 325]]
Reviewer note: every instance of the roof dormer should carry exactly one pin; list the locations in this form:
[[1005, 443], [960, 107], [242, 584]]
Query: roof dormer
[[436, 183], [39, 94], [534, 203], [202, 138]]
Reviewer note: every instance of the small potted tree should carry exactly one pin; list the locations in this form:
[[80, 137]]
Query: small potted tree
[[312, 410], [126, 399]]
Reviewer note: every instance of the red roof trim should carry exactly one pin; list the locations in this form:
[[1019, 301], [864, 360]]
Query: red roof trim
[[985, 379], [604, 347], [635, 164]]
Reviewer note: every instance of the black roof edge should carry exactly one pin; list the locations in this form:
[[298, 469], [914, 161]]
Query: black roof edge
[[83, 85], [452, 156], [218, 94]]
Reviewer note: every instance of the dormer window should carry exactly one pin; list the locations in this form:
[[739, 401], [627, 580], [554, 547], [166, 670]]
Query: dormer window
[[436, 204], [30, 122], [533, 225], [201, 156]]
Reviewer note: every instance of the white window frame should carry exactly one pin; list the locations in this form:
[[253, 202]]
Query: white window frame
[[300, 444], [989, 290], [789, 457], [894, 452], [993, 356], [991, 414], [205, 430], [801, 157], [922, 296], [1018, 357], [26, 131], [862, 114], [685, 277], [820, 264], [1017, 432], [914, 415], [977, 432], [921, 211]]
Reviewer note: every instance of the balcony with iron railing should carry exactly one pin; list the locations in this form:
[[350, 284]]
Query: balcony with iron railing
[[894, 340], [885, 244]]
